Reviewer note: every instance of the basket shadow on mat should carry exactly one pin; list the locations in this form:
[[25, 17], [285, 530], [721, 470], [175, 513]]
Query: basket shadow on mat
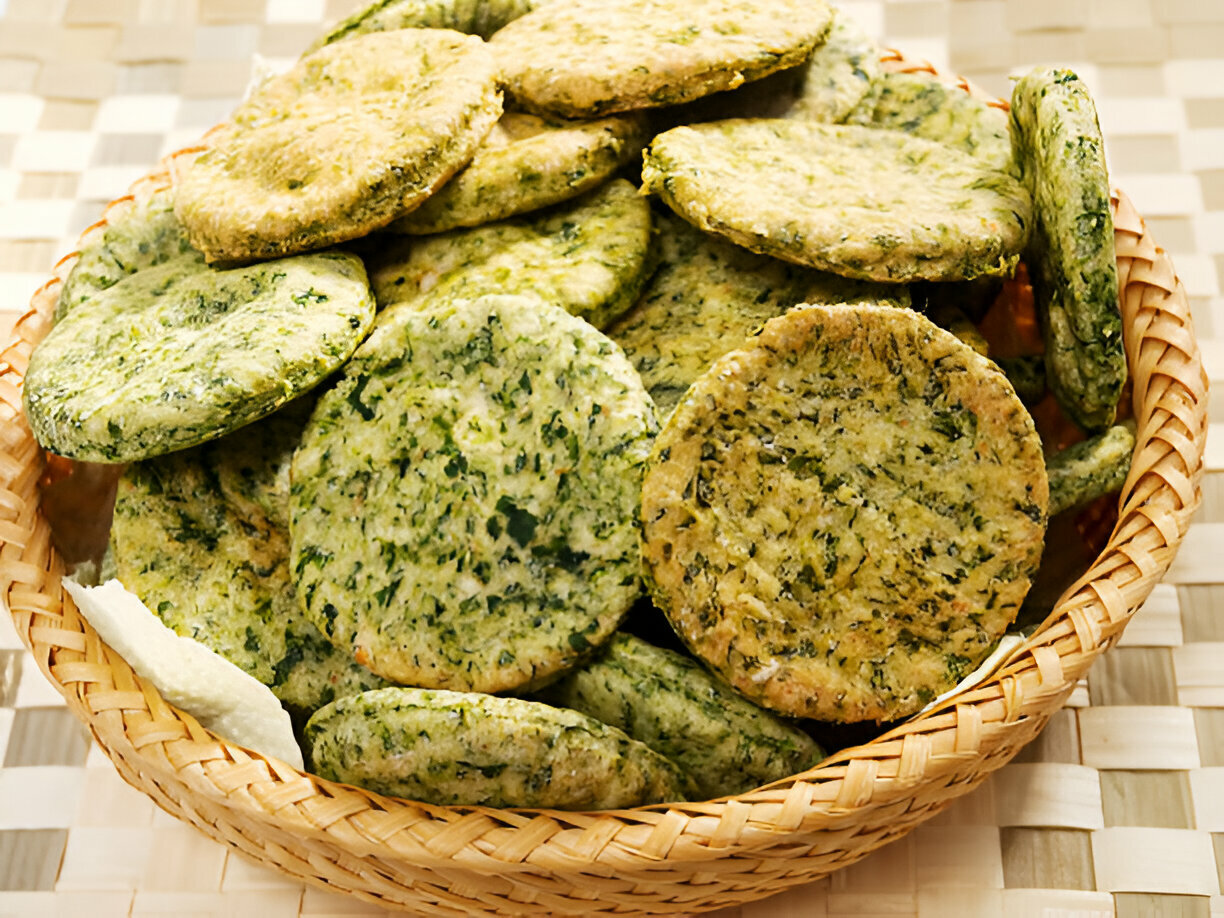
[[650, 860]]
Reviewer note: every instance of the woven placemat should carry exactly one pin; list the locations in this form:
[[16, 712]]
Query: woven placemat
[[1117, 808]]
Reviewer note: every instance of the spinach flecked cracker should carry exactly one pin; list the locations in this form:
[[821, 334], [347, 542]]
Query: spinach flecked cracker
[[145, 234], [855, 201], [356, 134], [584, 58], [202, 536], [464, 500], [706, 297], [1071, 256], [1091, 468], [181, 353], [590, 256], [672, 704], [469, 749], [843, 517], [527, 163]]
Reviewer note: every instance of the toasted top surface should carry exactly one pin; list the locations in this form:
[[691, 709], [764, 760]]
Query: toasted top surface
[[863, 203], [843, 517], [590, 57], [464, 500], [468, 749], [352, 136], [181, 353]]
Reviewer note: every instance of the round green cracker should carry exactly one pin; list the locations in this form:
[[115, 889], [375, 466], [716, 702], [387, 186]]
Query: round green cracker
[[843, 517], [469, 749], [590, 256], [1071, 256], [839, 74], [706, 297], [922, 105], [464, 500], [527, 163], [862, 203], [143, 234], [673, 705], [591, 57], [181, 353], [202, 537], [356, 134]]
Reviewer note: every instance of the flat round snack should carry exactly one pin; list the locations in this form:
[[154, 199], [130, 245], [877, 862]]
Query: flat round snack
[[706, 297], [839, 74], [673, 705], [527, 163], [178, 354], [202, 537], [473, 17], [590, 256], [922, 105], [464, 500], [466, 749], [590, 57], [144, 234], [842, 518], [1071, 256], [863, 203], [353, 136]]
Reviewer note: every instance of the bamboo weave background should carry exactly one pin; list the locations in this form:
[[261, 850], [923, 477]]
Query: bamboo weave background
[[653, 859]]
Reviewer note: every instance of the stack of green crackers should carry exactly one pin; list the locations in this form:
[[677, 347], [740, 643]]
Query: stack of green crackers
[[495, 328]]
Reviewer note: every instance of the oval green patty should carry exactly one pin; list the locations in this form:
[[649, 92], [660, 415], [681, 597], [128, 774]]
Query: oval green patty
[[589, 256], [353, 136], [178, 354], [468, 749], [527, 163], [843, 517], [1071, 257], [674, 706], [863, 203], [706, 297], [589, 57], [474, 17], [464, 500], [839, 74]]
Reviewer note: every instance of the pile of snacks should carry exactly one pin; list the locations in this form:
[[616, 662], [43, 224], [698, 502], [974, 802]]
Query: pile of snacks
[[422, 400]]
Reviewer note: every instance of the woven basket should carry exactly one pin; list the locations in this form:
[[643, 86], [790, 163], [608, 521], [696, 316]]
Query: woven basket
[[651, 860]]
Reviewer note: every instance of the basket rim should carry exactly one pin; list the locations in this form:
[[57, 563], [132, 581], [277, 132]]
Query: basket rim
[[948, 749]]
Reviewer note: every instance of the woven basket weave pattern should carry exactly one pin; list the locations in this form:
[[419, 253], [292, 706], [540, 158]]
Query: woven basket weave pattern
[[651, 860]]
